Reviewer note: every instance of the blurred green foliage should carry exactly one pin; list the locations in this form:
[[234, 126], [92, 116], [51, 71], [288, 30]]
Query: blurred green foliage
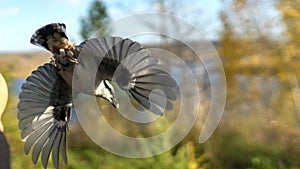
[[97, 18], [260, 128], [83, 153]]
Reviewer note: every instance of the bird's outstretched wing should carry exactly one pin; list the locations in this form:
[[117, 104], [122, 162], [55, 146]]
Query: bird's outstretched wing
[[43, 113], [133, 68]]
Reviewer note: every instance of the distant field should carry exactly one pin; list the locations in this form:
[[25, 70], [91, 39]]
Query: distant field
[[20, 65]]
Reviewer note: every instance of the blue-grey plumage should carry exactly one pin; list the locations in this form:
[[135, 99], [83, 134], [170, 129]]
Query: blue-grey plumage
[[44, 111], [46, 97], [132, 67]]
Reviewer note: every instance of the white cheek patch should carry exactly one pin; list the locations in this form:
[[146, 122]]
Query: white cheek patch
[[102, 91]]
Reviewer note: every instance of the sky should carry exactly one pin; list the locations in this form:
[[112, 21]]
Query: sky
[[19, 19]]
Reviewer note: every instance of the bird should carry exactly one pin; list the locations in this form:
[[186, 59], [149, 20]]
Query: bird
[[45, 101]]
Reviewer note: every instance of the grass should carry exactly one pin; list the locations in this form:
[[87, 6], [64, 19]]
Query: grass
[[264, 138], [20, 65], [83, 153]]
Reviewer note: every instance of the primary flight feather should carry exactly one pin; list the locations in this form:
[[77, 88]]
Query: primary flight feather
[[46, 98]]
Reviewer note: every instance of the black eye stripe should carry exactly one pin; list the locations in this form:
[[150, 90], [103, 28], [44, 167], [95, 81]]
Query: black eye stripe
[[106, 86]]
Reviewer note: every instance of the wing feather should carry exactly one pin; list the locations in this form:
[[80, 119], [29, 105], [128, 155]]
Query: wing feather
[[43, 113], [133, 68]]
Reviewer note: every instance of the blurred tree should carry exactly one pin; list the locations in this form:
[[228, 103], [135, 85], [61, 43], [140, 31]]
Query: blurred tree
[[195, 13], [261, 61], [247, 47], [96, 19], [290, 11]]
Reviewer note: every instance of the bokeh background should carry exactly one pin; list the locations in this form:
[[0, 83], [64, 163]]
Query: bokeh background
[[257, 41]]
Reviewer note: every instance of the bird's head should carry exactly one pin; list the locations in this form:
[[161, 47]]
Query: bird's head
[[106, 91], [53, 38]]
